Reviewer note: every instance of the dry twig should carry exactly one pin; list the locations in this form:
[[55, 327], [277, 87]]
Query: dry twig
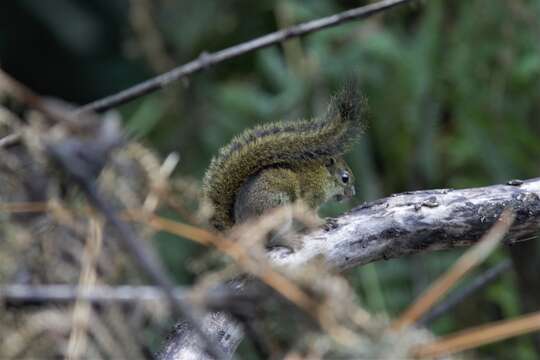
[[478, 283], [83, 309], [258, 267], [478, 336]]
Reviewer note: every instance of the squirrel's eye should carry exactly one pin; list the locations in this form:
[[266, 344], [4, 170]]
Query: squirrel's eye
[[345, 177]]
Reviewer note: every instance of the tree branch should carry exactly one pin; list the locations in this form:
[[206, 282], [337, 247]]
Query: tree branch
[[47, 294], [205, 59], [403, 224], [19, 294]]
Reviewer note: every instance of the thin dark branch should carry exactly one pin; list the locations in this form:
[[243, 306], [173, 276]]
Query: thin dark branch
[[47, 294], [220, 298], [457, 297], [208, 59]]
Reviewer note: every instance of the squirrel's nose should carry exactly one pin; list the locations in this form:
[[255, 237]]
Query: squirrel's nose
[[350, 191]]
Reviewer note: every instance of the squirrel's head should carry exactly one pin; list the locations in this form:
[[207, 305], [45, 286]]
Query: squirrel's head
[[341, 185]]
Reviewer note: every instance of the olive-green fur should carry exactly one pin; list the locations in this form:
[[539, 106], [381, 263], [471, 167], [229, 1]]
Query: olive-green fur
[[287, 147], [268, 189]]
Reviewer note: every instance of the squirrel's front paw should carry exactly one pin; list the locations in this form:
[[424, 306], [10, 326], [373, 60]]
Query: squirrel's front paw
[[330, 224]]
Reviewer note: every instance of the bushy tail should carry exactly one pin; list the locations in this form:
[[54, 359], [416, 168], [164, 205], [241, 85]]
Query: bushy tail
[[282, 144]]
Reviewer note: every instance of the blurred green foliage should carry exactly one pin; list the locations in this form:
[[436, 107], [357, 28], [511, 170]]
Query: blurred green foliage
[[453, 90]]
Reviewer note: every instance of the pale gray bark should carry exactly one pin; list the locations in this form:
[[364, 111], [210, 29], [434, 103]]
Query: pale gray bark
[[399, 225]]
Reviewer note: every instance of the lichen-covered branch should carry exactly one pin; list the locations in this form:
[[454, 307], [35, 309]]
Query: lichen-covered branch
[[419, 221], [392, 227]]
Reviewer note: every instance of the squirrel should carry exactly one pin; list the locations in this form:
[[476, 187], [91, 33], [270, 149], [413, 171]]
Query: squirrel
[[283, 162]]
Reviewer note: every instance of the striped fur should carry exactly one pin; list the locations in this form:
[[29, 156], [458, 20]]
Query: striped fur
[[289, 144]]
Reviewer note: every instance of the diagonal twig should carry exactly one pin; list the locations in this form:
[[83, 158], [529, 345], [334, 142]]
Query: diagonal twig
[[478, 336], [207, 59], [478, 283], [261, 269]]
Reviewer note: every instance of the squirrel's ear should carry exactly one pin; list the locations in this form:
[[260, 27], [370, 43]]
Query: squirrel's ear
[[330, 162]]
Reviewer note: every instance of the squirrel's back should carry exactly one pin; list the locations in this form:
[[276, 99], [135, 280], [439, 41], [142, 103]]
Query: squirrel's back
[[287, 144]]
